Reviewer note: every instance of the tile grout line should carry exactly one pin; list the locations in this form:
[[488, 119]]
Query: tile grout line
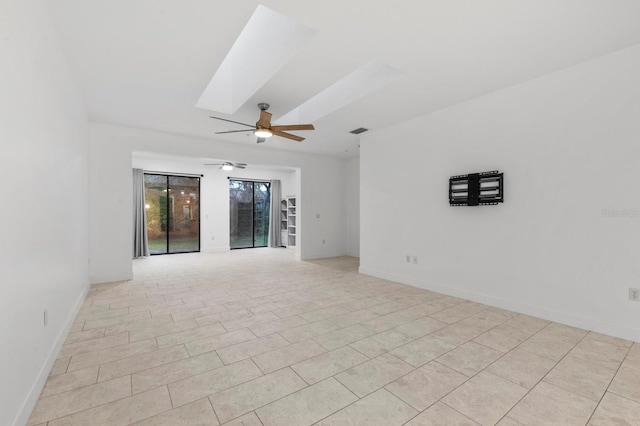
[[90, 408], [264, 405], [609, 384], [294, 289], [439, 399], [547, 373], [212, 409], [469, 378]]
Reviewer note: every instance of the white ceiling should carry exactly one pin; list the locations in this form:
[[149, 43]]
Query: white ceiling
[[185, 164], [145, 63]]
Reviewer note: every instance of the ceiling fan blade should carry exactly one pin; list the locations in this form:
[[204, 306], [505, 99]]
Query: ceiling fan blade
[[240, 166], [213, 164], [234, 131], [231, 121], [265, 120], [261, 140], [294, 127], [287, 135]]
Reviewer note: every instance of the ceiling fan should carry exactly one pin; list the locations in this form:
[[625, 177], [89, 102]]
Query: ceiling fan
[[228, 165], [263, 128]]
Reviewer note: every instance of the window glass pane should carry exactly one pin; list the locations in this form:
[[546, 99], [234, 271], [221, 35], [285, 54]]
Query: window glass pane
[[249, 213], [241, 213], [173, 213], [261, 214], [155, 193], [184, 214]]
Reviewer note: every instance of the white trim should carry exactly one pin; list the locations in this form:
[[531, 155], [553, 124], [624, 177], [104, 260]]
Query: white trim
[[586, 323], [325, 255], [101, 279], [36, 389], [215, 250]]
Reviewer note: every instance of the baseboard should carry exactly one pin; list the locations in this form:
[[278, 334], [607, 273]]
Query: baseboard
[[100, 279], [36, 389], [214, 250], [323, 255], [573, 320]]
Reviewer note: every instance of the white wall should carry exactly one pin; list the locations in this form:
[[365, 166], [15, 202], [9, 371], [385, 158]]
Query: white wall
[[44, 214], [353, 207], [569, 146], [320, 185], [214, 191]]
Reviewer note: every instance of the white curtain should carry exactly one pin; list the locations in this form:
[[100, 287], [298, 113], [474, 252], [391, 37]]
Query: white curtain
[[275, 239], [140, 240]]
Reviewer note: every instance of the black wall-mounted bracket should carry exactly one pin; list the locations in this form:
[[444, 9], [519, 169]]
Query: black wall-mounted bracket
[[476, 189]]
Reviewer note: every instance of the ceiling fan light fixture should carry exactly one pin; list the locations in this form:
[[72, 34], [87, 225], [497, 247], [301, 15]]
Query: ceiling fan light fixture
[[227, 167], [263, 128], [263, 133]]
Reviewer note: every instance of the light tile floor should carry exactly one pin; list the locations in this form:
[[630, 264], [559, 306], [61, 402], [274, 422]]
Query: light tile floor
[[254, 337]]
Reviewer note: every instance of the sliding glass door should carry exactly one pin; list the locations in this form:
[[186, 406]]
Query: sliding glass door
[[249, 203], [173, 213]]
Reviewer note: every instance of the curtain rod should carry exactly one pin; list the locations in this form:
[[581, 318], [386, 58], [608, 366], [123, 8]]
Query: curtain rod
[[248, 179], [171, 174]]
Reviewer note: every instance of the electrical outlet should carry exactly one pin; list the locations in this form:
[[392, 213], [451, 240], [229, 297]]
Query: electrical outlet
[[46, 317], [415, 259], [408, 258], [634, 294]]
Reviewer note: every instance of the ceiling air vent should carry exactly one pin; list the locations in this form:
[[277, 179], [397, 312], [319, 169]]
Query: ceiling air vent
[[358, 130]]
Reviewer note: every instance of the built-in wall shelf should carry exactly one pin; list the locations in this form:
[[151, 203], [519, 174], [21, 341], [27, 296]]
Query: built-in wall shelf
[[291, 220], [284, 227]]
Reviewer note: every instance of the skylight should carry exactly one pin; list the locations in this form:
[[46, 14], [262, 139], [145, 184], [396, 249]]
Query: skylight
[[267, 42], [367, 79]]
